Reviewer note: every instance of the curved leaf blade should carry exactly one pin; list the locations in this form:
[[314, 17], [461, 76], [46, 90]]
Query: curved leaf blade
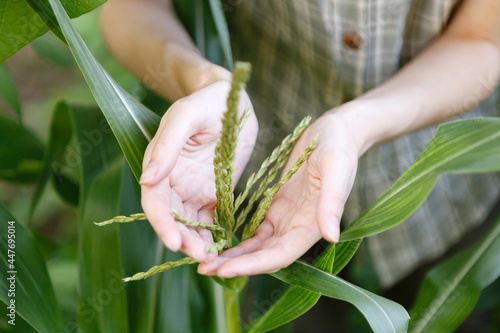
[[35, 300], [471, 145], [294, 302], [132, 123], [450, 291], [382, 314]]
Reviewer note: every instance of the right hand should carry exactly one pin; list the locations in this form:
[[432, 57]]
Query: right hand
[[178, 166]]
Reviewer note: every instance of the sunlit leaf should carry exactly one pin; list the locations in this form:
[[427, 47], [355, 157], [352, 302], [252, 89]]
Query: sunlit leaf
[[132, 123], [471, 145], [382, 314]]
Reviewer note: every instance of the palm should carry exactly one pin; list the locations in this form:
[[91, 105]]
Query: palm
[[187, 185], [304, 209]]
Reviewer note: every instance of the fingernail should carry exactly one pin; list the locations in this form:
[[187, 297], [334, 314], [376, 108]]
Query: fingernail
[[149, 173], [332, 230]]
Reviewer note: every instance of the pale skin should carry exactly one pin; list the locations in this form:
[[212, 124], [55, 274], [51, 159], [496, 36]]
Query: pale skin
[[463, 62]]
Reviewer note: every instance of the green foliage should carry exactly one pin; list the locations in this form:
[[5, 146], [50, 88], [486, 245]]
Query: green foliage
[[471, 145], [126, 116], [8, 91], [197, 303], [382, 314], [451, 290], [21, 154], [34, 295], [22, 23]]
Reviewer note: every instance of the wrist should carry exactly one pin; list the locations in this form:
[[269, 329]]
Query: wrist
[[361, 128], [188, 71]]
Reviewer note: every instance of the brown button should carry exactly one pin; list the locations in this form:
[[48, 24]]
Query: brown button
[[351, 40]]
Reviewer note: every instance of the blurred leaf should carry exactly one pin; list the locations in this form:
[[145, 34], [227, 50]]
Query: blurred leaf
[[21, 152], [206, 24], [451, 290], [8, 91], [102, 292], [49, 47], [21, 23], [132, 123], [67, 188], [59, 138], [34, 295], [222, 31], [141, 249], [102, 306], [382, 314], [471, 145]]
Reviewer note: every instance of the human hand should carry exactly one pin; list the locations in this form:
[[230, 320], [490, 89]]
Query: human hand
[[178, 166], [309, 206]]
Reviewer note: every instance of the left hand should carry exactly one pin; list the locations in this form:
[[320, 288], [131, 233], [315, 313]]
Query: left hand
[[309, 206]]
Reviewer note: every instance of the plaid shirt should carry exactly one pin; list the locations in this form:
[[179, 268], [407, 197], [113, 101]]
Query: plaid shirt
[[309, 56]]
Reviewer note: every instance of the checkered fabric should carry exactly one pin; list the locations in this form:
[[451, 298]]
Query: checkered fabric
[[302, 65]]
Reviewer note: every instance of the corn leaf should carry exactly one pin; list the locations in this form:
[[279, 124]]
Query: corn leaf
[[207, 27], [35, 300], [471, 145], [132, 123], [102, 306], [294, 302], [451, 290], [382, 314]]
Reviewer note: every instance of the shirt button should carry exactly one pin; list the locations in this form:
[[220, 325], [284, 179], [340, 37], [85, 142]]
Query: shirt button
[[351, 40]]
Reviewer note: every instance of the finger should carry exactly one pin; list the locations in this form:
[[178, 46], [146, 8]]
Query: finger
[[206, 215], [250, 245], [192, 244], [281, 253], [156, 202], [337, 176], [163, 151]]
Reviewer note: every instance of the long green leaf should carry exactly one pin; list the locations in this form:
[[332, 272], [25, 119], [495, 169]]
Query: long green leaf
[[294, 302], [450, 291], [132, 123], [34, 296], [8, 91], [205, 22], [222, 31], [382, 314], [102, 305], [21, 153], [471, 145]]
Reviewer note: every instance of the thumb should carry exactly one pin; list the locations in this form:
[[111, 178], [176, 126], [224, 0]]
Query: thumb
[[163, 151], [336, 182]]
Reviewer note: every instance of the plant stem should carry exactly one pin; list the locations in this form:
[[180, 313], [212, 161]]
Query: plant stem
[[232, 303]]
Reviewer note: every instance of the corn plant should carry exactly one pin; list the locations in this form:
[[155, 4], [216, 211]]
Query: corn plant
[[180, 300]]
